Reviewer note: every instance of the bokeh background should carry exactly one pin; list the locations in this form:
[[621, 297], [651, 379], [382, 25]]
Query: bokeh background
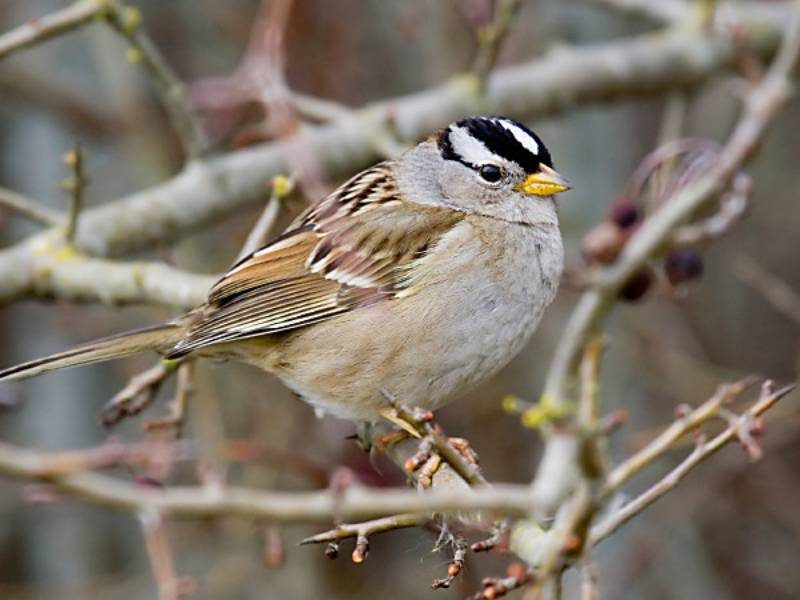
[[731, 531]]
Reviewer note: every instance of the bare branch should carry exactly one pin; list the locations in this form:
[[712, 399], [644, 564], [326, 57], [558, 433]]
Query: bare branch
[[491, 37], [126, 21], [39, 30], [367, 528], [170, 586], [702, 451], [281, 188], [774, 289], [74, 186], [211, 501], [559, 81], [29, 208], [663, 11], [760, 109], [664, 442]]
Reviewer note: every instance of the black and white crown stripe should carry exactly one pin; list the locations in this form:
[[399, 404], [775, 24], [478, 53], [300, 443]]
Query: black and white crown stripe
[[479, 140]]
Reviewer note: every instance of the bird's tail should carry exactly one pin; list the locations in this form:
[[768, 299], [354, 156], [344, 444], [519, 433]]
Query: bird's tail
[[158, 338]]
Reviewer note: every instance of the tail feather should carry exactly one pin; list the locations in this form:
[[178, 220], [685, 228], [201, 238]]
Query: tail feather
[[159, 338]]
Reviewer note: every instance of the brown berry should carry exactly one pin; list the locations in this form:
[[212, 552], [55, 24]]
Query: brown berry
[[624, 212], [603, 243], [683, 265], [637, 286]]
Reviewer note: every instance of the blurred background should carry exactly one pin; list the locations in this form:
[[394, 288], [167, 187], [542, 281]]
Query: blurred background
[[731, 531]]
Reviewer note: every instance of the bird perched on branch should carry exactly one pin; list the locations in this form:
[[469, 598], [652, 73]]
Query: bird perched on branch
[[419, 277]]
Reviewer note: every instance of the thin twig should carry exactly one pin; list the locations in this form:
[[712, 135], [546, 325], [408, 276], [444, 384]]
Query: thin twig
[[43, 28], [702, 451], [74, 186], [688, 423], [170, 585], [367, 528], [126, 21], [281, 188], [491, 36], [137, 395], [184, 388], [774, 289], [732, 207], [29, 208], [662, 11], [761, 107]]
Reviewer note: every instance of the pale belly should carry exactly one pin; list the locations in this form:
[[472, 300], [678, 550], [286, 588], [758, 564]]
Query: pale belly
[[429, 348]]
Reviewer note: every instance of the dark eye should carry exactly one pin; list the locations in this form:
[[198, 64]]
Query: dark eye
[[491, 173]]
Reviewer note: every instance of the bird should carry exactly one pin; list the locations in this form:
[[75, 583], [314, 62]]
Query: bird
[[419, 277]]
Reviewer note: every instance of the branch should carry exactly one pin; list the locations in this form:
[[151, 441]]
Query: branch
[[42, 29], [75, 186], [702, 451], [491, 37], [561, 80], [662, 11], [664, 442], [29, 209], [355, 502], [761, 107], [44, 267], [774, 289], [171, 91], [125, 21]]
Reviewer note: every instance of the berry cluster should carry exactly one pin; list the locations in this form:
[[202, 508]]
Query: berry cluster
[[603, 244]]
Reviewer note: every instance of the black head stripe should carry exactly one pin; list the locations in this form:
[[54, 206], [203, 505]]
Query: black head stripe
[[502, 142], [498, 140], [446, 148]]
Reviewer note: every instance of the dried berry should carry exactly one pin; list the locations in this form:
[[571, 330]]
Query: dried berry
[[683, 265], [637, 285], [603, 243], [624, 212]]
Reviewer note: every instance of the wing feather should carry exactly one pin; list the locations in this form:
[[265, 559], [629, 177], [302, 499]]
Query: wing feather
[[354, 248]]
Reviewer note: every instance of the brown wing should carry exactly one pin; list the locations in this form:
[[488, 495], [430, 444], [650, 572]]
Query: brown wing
[[356, 247]]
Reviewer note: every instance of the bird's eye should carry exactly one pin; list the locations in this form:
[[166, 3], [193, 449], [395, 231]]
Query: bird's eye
[[491, 173]]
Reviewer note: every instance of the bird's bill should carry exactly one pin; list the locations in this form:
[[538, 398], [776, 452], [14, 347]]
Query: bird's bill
[[545, 182]]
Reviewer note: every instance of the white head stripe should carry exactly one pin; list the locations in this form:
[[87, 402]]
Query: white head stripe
[[521, 136], [469, 148]]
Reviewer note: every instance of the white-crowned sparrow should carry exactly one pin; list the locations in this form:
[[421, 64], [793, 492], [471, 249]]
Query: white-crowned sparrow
[[419, 277]]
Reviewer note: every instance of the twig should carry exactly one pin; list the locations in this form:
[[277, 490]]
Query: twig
[[761, 107], [774, 289], [112, 453], [559, 81], [588, 579], [230, 501], [170, 585], [441, 444], [455, 566], [184, 388], [490, 39], [126, 21], [732, 207], [367, 528], [281, 188], [663, 11], [39, 30], [685, 424], [137, 394], [74, 186], [768, 397], [497, 587], [29, 208]]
